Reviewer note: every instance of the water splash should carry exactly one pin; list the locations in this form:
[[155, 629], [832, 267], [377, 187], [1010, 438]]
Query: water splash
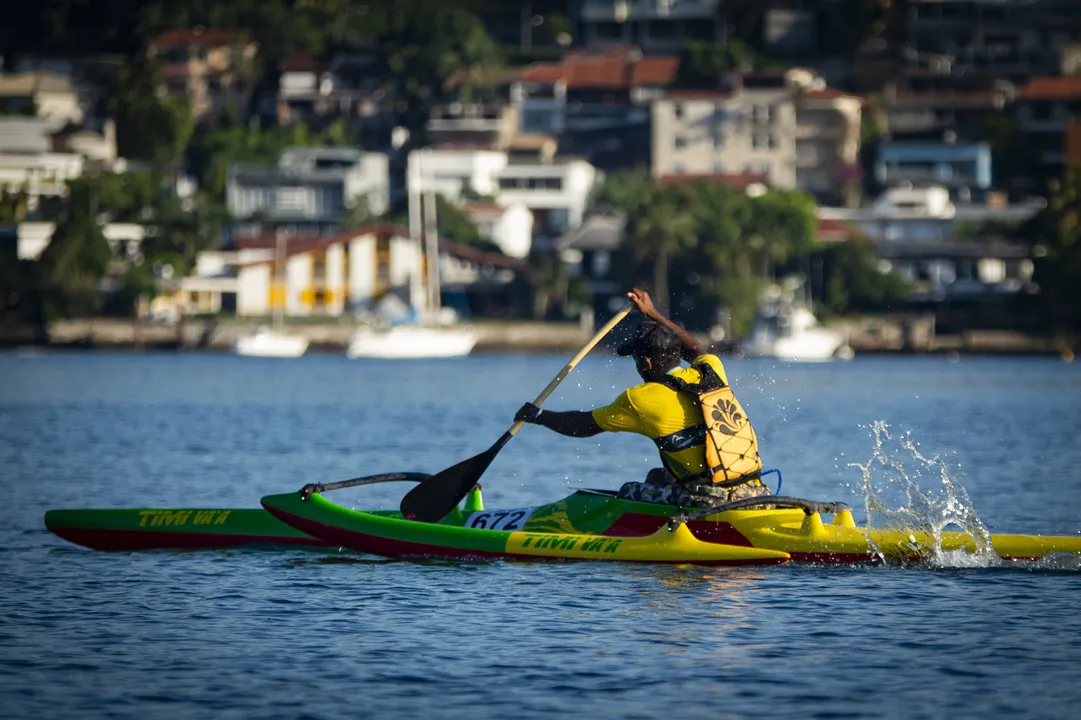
[[895, 501]]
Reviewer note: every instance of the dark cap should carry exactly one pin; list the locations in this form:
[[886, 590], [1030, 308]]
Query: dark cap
[[650, 339]]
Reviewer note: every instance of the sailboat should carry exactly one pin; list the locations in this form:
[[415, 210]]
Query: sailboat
[[274, 342], [434, 331]]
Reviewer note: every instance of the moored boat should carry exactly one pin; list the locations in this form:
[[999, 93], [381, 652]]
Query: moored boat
[[176, 528]]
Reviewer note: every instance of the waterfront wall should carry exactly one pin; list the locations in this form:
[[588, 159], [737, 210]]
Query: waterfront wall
[[870, 335]]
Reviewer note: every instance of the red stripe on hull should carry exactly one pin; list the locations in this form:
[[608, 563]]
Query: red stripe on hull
[[119, 540], [387, 547]]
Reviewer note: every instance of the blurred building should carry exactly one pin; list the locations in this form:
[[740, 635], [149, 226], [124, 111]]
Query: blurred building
[[214, 69], [555, 189], [1073, 144], [928, 214], [345, 85], [309, 191], [333, 275], [828, 126], [657, 26], [1044, 109], [963, 168], [595, 101], [1012, 40], [747, 127]]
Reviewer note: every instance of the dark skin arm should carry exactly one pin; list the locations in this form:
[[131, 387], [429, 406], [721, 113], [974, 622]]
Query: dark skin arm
[[641, 300], [575, 423], [580, 424]]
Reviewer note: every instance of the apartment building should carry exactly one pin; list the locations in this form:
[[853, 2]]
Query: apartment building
[[657, 26], [555, 189], [1010, 40], [1044, 109], [308, 191], [828, 125], [596, 101], [750, 127], [963, 168]]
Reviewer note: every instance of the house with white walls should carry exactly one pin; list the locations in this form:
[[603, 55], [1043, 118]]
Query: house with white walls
[[510, 227], [321, 276], [554, 189]]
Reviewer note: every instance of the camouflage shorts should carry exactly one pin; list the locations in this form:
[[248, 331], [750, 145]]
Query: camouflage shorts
[[660, 487]]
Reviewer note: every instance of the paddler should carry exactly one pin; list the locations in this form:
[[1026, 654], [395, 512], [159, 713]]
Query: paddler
[[708, 449]]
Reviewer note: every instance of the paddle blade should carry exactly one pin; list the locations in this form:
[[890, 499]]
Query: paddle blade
[[432, 499]]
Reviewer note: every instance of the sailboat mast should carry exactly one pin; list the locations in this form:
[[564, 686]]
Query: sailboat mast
[[431, 237], [280, 283], [416, 282]]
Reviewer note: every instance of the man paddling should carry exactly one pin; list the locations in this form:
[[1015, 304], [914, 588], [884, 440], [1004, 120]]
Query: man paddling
[[707, 446]]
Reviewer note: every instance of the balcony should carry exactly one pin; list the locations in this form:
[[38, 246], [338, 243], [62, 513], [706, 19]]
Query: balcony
[[624, 10]]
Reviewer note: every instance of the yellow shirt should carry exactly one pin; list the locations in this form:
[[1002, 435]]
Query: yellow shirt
[[655, 410]]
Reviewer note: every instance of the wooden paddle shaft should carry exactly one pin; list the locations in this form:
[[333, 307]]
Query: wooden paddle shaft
[[574, 361]]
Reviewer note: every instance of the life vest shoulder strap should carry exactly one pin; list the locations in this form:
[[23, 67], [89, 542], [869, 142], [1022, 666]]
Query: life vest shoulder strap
[[708, 381]]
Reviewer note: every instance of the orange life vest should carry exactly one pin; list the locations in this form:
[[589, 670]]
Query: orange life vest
[[731, 446]]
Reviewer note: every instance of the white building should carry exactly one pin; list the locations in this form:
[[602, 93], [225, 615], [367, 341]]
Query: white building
[[124, 238], [510, 227], [309, 189], [925, 214], [47, 95], [325, 276], [555, 190]]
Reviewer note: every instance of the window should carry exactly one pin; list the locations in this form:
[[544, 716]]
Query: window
[[762, 113], [681, 142], [559, 219], [677, 109], [762, 141], [718, 139]]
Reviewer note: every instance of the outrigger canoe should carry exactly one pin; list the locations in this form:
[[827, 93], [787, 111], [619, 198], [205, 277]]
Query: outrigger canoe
[[596, 525], [586, 525]]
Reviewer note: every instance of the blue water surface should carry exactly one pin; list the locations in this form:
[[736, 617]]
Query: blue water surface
[[295, 633]]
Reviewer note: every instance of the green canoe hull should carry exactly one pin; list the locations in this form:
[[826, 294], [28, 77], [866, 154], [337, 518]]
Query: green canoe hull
[[547, 534], [177, 528], [610, 528]]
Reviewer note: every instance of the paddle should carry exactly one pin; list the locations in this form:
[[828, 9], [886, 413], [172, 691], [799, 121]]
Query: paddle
[[432, 499]]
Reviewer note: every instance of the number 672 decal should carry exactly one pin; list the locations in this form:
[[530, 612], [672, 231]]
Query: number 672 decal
[[499, 519]]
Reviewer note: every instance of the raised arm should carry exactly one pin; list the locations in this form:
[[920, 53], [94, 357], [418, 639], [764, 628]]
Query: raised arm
[[641, 300]]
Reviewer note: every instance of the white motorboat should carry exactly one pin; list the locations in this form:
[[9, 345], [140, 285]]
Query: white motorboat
[[785, 329], [412, 341], [266, 342]]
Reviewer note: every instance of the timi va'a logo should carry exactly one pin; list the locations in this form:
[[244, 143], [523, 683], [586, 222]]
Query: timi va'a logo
[[727, 417]]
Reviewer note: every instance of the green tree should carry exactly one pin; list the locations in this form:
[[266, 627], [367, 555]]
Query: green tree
[[423, 46], [1056, 233], [852, 279], [75, 261], [703, 62], [148, 127]]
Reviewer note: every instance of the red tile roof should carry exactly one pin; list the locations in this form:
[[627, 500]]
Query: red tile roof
[[698, 95], [615, 69], [301, 62], [197, 36], [834, 229], [828, 93], [1051, 88], [739, 181], [302, 244]]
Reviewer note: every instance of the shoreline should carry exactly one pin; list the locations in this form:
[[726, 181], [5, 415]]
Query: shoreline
[[494, 336]]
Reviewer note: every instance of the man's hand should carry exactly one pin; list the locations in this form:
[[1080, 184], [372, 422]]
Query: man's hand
[[529, 413], [641, 300]]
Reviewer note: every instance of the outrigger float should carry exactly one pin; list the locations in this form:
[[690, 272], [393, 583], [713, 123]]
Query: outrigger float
[[585, 525]]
